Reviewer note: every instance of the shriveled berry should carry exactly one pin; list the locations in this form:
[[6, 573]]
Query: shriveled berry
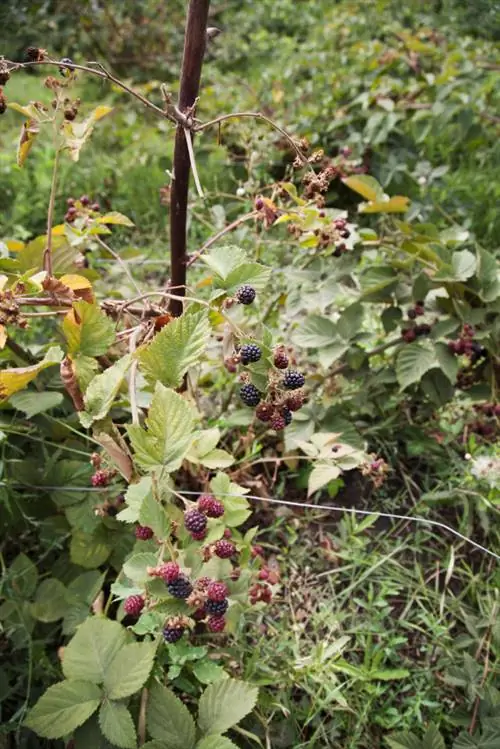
[[169, 572], [217, 591], [195, 521], [210, 506], [70, 202], [249, 353], [280, 359], [143, 532], [216, 608], [250, 395], [133, 605], [224, 549], [293, 380], [32, 54], [173, 634], [203, 582], [264, 411], [216, 624], [278, 422], [259, 204], [294, 402], [245, 294], [340, 223], [180, 588]]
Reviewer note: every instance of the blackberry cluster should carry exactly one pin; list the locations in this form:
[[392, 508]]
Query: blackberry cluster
[[195, 521], [465, 345], [216, 608], [133, 605], [180, 588], [411, 334], [250, 395], [82, 207], [143, 533], [210, 506], [245, 294], [249, 353]]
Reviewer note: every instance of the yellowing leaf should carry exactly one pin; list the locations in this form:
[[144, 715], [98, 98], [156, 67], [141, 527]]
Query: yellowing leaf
[[3, 336], [28, 111], [59, 230], [29, 131], [14, 245], [365, 185], [115, 218], [80, 285], [100, 112], [397, 204], [12, 380]]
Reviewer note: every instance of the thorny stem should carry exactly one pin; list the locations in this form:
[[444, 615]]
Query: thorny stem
[[47, 255]]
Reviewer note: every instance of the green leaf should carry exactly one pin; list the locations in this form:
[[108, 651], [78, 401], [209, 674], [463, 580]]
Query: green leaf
[[170, 427], [113, 217], [216, 742], [321, 475], [50, 601], [432, 738], [90, 735], [413, 361], [488, 275], [135, 568], [224, 259], [117, 725], [62, 708], [90, 550], [447, 361], [463, 264], [437, 387], [327, 355], [93, 648], [316, 331], [129, 670], [31, 403], [366, 186], [404, 740], [207, 671], [255, 274], [389, 674], [154, 745], [87, 330], [134, 497], [169, 720], [224, 703], [23, 576], [177, 348], [152, 514], [350, 321], [102, 391]]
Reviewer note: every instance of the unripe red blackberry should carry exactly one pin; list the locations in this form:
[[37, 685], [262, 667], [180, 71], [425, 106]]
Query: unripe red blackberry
[[180, 588], [419, 309], [293, 380], [245, 294], [408, 335], [278, 422], [249, 353], [280, 359], [217, 591], [224, 549], [195, 521], [496, 410], [216, 608], [70, 202], [85, 200], [227, 533], [263, 574], [250, 395], [100, 478], [143, 533], [95, 207], [210, 506], [133, 605], [199, 535], [264, 411], [169, 572], [259, 204], [216, 624], [294, 402], [173, 633]]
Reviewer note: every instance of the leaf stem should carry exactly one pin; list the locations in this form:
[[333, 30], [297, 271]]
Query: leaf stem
[[47, 255]]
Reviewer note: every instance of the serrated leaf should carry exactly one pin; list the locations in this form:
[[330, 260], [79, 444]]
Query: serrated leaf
[[224, 703], [90, 736], [321, 475], [222, 260], [129, 670], [350, 321], [113, 217], [216, 742], [89, 550], [447, 361], [12, 380], [117, 725], [207, 671], [432, 738], [102, 391], [135, 568], [217, 459], [404, 741], [365, 185], [315, 332], [169, 720], [92, 649], [255, 274], [31, 403], [63, 708], [50, 602], [327, 355], [152, 514], [87, 330], [134, 497], [489, 276], [23, 576], [413, 361], [463, 265], [177, 348], [168, 435]]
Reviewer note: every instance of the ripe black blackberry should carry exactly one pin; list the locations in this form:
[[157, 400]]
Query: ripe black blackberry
[[216, 608], [345, 233], [249, 353], [280, 359], [173, 634], [250, 395], [180, 588], [287, 415], [293, 380], [245, 294], [408, 335], [195, 521]]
